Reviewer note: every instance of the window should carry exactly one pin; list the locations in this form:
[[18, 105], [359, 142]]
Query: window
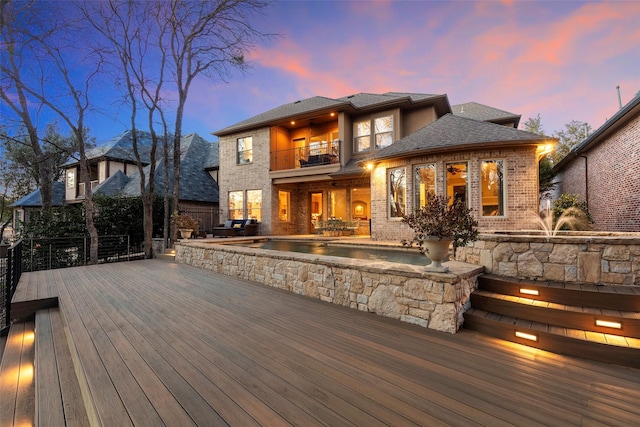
[[338, 204], [362, 139], [457, 182], [71, 178], [284, 201], [254, 204], [424, 182], [236, 202], [245, 150], [397, 192], [383, 131], [492, 187]]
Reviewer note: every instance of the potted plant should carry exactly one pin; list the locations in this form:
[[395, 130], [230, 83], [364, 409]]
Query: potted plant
[[186, 224], [437, 224]]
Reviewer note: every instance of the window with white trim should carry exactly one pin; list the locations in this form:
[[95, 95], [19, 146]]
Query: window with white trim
[[492, 187], [397, 190], [245, 150], [381, 137]]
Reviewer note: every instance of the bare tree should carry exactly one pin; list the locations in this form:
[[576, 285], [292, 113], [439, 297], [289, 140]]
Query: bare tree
[[53, 56]]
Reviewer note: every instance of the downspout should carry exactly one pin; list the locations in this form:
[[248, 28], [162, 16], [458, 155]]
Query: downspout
[[586, 180]]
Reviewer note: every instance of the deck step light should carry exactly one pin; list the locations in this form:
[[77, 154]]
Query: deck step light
[[529, 291], [608, 324], [526, 336]]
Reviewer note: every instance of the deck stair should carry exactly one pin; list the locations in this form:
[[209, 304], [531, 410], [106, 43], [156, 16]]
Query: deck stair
[[38, 381], [593, 322]]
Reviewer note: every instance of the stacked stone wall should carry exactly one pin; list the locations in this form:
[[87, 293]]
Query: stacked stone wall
[[432, 300], [601, 260]]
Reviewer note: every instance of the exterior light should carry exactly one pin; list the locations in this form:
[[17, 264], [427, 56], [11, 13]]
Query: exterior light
[[529, 291], [608, 324], [333, 114], [293, 122], [526, 336], [370, 166]]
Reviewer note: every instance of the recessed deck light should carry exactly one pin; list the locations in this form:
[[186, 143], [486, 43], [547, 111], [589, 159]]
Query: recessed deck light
[[529, 291], [608, 324], [526, 336]]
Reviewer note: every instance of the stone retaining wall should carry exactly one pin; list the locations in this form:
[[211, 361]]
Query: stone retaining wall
[[597, 259], [400, 291]]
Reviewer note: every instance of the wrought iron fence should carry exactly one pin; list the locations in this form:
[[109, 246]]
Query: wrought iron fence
[[52, 253]]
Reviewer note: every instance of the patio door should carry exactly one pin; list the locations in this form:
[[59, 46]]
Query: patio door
[[315, 209]]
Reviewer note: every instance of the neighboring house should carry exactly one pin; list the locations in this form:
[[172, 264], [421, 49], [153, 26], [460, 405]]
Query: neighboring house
[[605, 171], [307, 160], [33, 201], [113, 172]]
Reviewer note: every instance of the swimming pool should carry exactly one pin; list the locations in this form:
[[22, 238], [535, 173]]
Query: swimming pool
[[399, 255]]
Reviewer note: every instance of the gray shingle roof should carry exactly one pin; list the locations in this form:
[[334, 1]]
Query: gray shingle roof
[[113, 185], [195, 182], [121, 148], [452, 132], [473, 110], [34, 199], [354, 103]]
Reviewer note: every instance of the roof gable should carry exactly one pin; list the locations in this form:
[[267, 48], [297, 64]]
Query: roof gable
[[451, 132], [473, 110]]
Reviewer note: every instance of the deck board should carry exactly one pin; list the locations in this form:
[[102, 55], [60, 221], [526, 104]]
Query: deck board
[[162, 343]]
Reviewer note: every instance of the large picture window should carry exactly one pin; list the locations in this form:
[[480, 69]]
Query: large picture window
[[457, 182], [236, 205], [397, 180], [254, 204], [424, 182], [245, 150], [492, 187]]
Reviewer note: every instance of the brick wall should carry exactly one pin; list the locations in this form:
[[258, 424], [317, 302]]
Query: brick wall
[[613, 180], [521, 180]]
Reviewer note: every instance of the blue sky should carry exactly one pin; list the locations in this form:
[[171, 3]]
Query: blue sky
[[562, 60]]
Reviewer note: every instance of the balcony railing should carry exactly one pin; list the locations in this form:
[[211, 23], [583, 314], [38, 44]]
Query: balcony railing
[[81, 189], [315, 154]]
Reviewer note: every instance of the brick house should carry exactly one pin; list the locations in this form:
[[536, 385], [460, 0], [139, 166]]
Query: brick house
[[307, 160], [605, 171]]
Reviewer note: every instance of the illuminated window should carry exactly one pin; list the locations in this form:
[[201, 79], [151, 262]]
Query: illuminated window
[[338, 204], [245, 150], [254, 204], [424, 182], [397, 181], [284, 201], [457, 182], [236, 205], [492, 187]]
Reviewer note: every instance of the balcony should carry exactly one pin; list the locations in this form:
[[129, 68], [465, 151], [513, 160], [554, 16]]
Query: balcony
[[81, 190], [308, 156]]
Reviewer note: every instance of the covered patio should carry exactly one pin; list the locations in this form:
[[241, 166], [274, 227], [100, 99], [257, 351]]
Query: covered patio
[[156, 343]]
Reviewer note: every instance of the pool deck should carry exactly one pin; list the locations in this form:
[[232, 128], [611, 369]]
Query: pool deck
[[158, 343]]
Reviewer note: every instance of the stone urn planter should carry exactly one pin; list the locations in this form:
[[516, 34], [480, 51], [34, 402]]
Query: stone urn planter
[[437, 224], [185, 233], [437, 250]]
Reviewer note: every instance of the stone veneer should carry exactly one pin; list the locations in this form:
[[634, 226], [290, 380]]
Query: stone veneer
[[603, 259], [400, 291]]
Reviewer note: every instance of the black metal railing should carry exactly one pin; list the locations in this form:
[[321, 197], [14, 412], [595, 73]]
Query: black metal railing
[[51, 253], [10, 272], [315, 154]]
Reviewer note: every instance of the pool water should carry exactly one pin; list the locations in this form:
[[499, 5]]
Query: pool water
[[404, 256]]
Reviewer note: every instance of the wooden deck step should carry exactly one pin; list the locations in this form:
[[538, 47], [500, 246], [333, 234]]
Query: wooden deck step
[[624, 298], [17, 391], [569, 316], [624, 351], [59, 399]]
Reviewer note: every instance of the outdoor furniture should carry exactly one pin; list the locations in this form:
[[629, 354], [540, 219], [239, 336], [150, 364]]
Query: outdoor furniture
[[236, 227]]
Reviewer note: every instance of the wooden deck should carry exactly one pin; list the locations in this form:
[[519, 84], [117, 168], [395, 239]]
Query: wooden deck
[[157, 343]]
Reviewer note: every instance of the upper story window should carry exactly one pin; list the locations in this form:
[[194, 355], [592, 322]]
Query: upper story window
[[382, 133], [245, 150], [492, 187]]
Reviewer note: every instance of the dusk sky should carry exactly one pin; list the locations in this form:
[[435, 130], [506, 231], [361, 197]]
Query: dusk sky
[[562, 60]]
